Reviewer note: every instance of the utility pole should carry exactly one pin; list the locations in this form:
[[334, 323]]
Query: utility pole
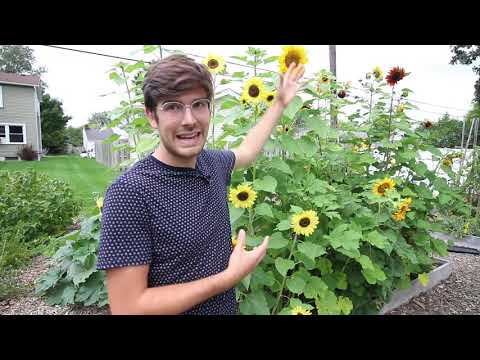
[[333, 69]]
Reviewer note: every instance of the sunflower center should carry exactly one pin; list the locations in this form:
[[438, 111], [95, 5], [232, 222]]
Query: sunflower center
[[382, 188], [324, 79], [269, 97], [291, 57], [242, 196], [304, 222], [212, 64], [397, 76], [253, 91]]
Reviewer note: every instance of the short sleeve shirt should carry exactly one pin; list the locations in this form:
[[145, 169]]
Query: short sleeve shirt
[[174, 219]]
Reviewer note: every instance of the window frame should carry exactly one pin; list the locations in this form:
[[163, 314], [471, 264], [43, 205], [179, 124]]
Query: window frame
[[7, 134]]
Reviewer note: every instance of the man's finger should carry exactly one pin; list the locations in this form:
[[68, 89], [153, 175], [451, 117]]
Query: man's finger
[[296, 72], [241, 239]]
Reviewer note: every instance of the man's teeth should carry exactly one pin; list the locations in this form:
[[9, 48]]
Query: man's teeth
[[190, 136]]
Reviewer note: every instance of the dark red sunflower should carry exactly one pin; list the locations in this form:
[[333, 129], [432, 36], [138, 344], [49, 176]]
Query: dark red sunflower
[[395, 75]]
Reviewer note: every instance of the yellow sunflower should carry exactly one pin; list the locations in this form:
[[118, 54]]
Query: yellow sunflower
[[100, 203], [447, 162], [290, 54], [243, 196], [378, 73], [269, 97], [243, 100], [381, 186], [300, 310], [399, 216], [360, 148], [405, 204], [215, 63], [305, 222], [254, 90]]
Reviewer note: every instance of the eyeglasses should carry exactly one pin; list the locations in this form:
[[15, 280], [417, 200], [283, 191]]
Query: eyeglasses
[[175, 109]]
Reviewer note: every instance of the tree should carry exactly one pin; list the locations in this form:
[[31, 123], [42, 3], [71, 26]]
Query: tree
[[18, 59], [468, 55], [99, 119], [74, 136], [54, 122]]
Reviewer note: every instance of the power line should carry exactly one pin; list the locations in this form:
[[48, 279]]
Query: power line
[[241, 65]]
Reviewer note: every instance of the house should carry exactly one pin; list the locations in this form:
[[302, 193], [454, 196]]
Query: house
[[20, 122]]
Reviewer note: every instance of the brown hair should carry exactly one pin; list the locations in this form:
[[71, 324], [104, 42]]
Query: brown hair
[[170, 77]]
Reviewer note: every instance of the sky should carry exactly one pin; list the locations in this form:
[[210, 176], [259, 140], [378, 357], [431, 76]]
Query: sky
[[82, 83]]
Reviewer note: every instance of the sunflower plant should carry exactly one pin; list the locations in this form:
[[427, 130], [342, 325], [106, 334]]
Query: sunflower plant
[[349, 209]]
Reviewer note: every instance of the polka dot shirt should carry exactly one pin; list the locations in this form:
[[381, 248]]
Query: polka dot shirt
[[174, 219]]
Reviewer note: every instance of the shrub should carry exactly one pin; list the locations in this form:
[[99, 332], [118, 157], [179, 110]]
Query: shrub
[[26, 152]]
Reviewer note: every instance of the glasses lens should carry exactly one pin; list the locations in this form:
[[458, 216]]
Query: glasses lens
[[173, 108], [201, 107]]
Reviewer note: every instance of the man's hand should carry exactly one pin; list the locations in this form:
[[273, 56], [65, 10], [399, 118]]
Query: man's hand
[[289, 84], [243, 262]]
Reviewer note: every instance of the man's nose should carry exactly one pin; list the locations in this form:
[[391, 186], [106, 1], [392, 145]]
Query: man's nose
[[188, 117]]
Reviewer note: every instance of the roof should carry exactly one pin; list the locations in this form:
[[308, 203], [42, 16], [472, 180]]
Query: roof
[[97, 134], [17, 79]]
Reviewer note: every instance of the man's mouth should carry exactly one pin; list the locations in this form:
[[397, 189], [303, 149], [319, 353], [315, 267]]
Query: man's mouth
[[189, 138]]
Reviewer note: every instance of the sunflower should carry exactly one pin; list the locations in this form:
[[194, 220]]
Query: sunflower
[[100, 203], [381, 186], [399, 216], [243, 100], [305, 222], [378, 73], [243, 196], [405, 205], [300, 310], [215, 63], [360, 148], [447, 162], [292, 54], [427, 124], [254, 90], [269, 97], [395, 75]]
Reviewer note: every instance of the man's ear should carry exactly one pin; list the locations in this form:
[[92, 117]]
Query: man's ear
[[151, 117]]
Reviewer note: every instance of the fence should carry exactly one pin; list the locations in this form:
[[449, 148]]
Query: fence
[[105, 155]]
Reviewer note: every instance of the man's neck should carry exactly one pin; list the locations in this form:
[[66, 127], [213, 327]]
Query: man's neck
[[167, 158]]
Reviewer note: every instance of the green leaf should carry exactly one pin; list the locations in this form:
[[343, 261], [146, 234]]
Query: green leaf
[[255, 304], [283, 265], [318, 126], [295, 284], [246, 281], [424, 278], [264, 210], [147, 144], [314, 287], [268, 184], [49, 280], [311, 250], [235, 213], [440, 247], [277, 241], [283, 225], [353, 254], [111, 139], [289, 144], [327, 304], [295, 209], [351, 239], [292, 108], [324, 265], [345, 305], [307, 146], [270, 59], [375, 275], [117, 78], [281, 165], [376, 239], [260, 277], [238, 74], [365, 262]]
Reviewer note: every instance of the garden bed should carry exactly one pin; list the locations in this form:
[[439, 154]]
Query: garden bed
[[437, 275], [468, 243]]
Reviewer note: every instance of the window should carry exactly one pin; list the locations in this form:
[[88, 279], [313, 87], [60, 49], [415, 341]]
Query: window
[[12, 134]]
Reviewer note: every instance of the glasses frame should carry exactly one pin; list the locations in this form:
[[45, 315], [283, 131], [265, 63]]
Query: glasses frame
[[185, 106]]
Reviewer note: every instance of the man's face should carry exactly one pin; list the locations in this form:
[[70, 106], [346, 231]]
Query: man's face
[[183, 131]]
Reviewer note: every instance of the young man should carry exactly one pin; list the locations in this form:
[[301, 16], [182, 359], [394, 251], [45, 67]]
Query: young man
[[166, 236]]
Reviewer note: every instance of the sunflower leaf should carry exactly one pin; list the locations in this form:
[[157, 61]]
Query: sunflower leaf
[[277, 241], [268, 184], [311, 250], [283, 225], [264, 210], [270, 59], [292, 108], [295, 284], [345, 305], [281, 165], [283, 265], [235, 213]]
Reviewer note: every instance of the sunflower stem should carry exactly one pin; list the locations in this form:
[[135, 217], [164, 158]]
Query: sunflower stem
[[389, 129], [250, 222], [275, 308]]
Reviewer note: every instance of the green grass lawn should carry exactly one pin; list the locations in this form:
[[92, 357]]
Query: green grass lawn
[[85, 176]]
